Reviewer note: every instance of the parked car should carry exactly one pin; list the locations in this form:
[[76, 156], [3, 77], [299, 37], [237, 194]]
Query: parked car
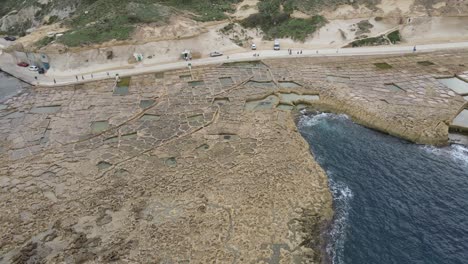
[[276, 46], [9, 38], [216, 54], [33, 68], [41, 71], [254, 47], [23, 64]]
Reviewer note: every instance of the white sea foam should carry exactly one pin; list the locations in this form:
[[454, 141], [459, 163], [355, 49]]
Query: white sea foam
[[312, 120], [458, 153], [342, 196]]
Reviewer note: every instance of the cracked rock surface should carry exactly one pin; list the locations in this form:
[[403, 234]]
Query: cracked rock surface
[[179, 171]]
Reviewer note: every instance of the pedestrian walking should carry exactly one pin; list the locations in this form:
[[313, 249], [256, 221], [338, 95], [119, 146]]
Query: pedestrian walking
[[92, 76], [316, 52], [301, 51], [298, 53], [76, 77], [107, 73], [82, 77], [55, 82], [414, 49]]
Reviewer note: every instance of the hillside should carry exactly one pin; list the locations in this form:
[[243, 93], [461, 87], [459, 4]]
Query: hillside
[[87, 23]]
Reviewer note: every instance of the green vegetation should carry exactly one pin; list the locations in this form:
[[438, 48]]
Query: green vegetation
[[425, 63], [124, 82], [383, 65], [394, 36], [277, 23], [319, 5], [44, 41], [380, 40], [97, 21], [204, 10]]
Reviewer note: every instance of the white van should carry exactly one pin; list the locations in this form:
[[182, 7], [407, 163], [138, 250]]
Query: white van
[[276, 46]]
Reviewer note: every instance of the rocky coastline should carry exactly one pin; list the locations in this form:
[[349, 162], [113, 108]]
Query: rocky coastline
[[198, 166]]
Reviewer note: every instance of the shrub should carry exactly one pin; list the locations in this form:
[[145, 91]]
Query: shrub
[[278, 24], [394, 36]]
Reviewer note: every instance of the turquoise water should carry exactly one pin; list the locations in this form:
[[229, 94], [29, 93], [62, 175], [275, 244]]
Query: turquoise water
[[395, 202]]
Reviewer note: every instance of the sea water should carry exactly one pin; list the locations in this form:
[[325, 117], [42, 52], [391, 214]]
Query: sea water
[[395, 202]]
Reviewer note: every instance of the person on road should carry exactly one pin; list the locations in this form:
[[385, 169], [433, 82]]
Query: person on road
[[301, 51], [55, 82], [92, 76], [82, 77], [76, 77], [414, 49]]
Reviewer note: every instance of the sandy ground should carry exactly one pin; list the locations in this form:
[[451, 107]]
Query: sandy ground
[[403, 7], [164, 44], [436, 30], [40, 33], [419, 31], [243, 12]]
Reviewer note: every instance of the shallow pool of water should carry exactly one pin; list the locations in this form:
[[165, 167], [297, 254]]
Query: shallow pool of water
[[99, 126], [291, 98], [121, 90], [285, 107], [288, 85], [395, 202], [457, 85], [46, 109], [103, 165], [461, 120], [146, 117], [146, 103], [262, 104], [226, 81], [196, 83], [261, 84]]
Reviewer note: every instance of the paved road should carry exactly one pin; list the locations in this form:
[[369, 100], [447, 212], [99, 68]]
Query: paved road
[[7, 62]]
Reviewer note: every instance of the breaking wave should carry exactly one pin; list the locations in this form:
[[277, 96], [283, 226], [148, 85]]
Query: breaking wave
[[342, 196]]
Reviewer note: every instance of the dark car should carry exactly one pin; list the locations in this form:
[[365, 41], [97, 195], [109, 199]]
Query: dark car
[[23, 64], [9, 38], [41, 71]]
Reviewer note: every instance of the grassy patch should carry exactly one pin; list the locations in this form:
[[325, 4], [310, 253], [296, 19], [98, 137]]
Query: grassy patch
[[124, 82], [277, 23], [44, 42], [369, 42], [205, 10], [98, 21], [383, 65], [394, 36], [425, 63]]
